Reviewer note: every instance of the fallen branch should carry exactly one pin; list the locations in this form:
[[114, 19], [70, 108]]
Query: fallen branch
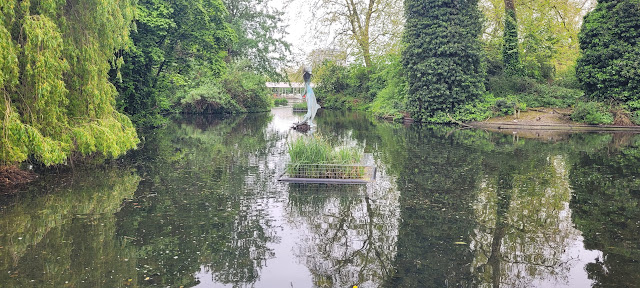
[[458, 122]]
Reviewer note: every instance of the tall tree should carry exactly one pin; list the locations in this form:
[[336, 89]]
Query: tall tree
[[609, 41], [56, 96], [176, 42], [510, 53], [442, 58], [369, 25], [547, 31], [260, 35]]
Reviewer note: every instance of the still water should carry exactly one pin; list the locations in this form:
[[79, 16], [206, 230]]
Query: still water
[[199, 205]]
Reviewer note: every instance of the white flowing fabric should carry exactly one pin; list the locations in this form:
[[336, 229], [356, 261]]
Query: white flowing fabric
[[312, 104]]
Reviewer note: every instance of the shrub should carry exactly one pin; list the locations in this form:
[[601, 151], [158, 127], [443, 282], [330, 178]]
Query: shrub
[[635, 117], [209, 98], [389, 86], [300, 106], [608, 66], [238, 91], [444, 70], [280, 102], [247, 88], [591, 113], [533, 94]]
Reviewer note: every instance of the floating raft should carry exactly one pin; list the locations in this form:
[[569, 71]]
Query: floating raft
[[328, 174]]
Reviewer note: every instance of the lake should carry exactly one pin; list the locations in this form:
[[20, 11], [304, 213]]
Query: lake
[[199, 204]]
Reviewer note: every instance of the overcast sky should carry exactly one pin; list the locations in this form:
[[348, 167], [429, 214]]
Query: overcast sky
[[297, 14]]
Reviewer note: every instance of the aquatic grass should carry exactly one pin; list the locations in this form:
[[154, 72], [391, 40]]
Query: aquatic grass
[[315, 157], [302, 106]]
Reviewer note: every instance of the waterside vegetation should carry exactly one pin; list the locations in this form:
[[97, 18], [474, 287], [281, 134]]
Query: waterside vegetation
[[542, 54], [78, 77], [315, 157]]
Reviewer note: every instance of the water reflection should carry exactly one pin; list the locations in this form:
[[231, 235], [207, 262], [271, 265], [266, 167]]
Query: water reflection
[[436, 179], [199, 205], [62, 232], [606, 208], [197, 213], [524, 224], [349, 233]]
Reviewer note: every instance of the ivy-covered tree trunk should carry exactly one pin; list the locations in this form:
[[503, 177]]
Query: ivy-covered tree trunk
[[442, 58], [55, 96], [510, 53], [609, 67]]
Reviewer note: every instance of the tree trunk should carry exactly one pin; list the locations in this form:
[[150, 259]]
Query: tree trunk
[[510, 54]]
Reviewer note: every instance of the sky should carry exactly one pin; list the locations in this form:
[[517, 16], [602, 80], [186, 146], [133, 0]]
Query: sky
[[296, 17]]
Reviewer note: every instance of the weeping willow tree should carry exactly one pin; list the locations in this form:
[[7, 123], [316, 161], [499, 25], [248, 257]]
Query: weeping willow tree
[[55, 98]]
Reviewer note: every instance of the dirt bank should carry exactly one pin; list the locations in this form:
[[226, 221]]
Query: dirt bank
[[547, 123], [10, 176]]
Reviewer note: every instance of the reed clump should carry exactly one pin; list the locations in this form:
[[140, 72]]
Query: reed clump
[[302, 106], [315, 157]]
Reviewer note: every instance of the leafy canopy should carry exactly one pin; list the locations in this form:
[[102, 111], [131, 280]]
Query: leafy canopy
[[56, 97], [442, 59]]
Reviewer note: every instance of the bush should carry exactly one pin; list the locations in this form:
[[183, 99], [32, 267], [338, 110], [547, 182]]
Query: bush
[[300, 106], [247, 88], [238, 91], [280, 102], [635, 117], [591, 113], [209, 98], [341, 87], [530, 93], [389, 86], [608, 66]]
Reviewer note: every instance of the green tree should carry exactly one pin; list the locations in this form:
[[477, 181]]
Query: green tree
[[443, 57], [510, 53], [547, 31], [260, 35], [56, 96], [608, 67], [176, 44], [371, 26]]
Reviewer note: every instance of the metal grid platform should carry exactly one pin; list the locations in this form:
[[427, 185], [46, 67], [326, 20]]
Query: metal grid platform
[[328, 174]]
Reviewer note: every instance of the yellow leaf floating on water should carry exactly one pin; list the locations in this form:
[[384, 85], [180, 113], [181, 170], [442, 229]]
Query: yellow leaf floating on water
[[147, 278], [460, 243]]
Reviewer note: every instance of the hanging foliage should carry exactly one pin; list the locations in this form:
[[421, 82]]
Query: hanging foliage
[[56, 97]]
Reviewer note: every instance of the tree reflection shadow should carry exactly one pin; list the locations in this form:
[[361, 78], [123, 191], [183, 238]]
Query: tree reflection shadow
[[606, 205], [350, 232], [524, 224]]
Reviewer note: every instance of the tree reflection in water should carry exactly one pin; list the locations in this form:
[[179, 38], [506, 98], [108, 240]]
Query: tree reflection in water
[[606, 208], [461, 208], [524, 224], [61, 232], [350, 232]]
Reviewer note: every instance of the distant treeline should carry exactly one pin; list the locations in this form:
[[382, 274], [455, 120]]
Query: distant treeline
[[471, 60]]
